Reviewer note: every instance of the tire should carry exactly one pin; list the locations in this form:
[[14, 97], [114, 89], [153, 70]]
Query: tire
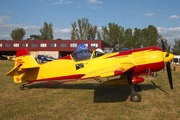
[[135, 97]]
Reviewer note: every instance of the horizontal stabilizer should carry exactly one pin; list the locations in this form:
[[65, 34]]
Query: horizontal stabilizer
[[13, 71]]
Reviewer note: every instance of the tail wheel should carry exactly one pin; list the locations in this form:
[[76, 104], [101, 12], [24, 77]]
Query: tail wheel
[[135, 97], [22, 87]]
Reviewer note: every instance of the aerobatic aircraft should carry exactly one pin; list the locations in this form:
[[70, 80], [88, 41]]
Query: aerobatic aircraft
[[12, 57], [83, 64]]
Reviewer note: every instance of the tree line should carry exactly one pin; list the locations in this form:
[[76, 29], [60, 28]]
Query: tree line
[[113, 34]]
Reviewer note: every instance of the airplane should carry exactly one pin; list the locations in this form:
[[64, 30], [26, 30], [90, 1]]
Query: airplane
[[131, 65], [9, 57], [44, 58]]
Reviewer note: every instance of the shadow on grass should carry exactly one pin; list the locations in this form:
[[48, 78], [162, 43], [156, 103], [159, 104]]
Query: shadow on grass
[[102, 94], [110, 94]]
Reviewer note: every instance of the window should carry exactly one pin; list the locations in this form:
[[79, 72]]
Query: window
[[33, 45], [0, 44], [62, 45], [7, 45], [73, 45], [94, 45], [53, 45], [43, 45], [25, 45], [16, 45]]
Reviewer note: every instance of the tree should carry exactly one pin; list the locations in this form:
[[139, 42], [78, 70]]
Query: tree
[[137, 41], [58, 39], [176, 47], [145, 37], [83, 30], [152, 36], [113, 35], [99, 35], [165, 41], [34, 37], [18, 34], [47, 31], [74, 30], [128, 38]]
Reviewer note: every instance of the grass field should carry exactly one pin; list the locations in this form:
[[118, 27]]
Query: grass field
[[86, 100]]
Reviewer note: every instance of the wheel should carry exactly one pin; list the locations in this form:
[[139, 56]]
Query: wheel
[[22, 87], [135, 97], [137, 88], [154, 74]]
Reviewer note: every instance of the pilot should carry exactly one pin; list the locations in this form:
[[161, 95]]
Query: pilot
[[99, 52]]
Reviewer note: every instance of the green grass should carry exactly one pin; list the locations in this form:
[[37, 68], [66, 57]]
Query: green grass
[[86, 100]]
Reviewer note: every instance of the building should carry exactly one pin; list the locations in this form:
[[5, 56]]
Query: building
[[176, 60], [54, 48]]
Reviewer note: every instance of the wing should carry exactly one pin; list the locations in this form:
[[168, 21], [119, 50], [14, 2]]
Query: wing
[[109, 71]]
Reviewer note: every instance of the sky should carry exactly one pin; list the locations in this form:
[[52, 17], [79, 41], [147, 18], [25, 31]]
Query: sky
[[31, 14]]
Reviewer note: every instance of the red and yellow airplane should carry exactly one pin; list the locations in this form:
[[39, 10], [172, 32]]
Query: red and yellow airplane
[[130, 63], [10, 57]]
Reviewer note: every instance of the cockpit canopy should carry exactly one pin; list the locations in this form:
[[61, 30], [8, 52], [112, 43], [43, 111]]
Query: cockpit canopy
[[81, 55]]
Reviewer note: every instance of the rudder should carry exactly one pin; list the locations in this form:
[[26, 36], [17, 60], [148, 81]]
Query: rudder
[[25, 59]]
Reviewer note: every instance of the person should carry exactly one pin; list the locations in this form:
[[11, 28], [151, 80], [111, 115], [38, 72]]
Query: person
[[99, 52]]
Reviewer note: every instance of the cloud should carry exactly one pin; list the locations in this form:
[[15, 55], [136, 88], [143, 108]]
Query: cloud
[[94, 1], [174, 17], [3, 19], [62, 2], [65, 30], [169, 33], [149, 14], [6, 29], [93, 4], [64, 33], [8, 11], [95, 7]]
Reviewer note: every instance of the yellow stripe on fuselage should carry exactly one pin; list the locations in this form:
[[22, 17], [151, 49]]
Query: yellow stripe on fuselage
[[53, 69]]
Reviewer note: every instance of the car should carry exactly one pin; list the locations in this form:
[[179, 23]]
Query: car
[[44, 58]]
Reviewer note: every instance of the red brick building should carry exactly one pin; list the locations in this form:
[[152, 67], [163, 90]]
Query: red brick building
[[55, 48]]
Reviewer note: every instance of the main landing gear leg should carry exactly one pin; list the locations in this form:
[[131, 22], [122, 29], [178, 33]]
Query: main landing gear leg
[[135, 96]]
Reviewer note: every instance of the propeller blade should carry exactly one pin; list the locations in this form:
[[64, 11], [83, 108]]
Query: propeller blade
[[163, 45], [168, 67]]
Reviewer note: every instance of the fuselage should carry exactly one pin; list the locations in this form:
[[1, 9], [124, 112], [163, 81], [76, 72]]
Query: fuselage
[[144, 60]]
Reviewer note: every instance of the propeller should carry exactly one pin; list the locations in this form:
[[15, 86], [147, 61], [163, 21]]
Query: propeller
[[167, 55], [168, 67]]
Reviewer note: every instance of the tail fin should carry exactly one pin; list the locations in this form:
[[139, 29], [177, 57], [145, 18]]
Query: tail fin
[[23, 62]]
